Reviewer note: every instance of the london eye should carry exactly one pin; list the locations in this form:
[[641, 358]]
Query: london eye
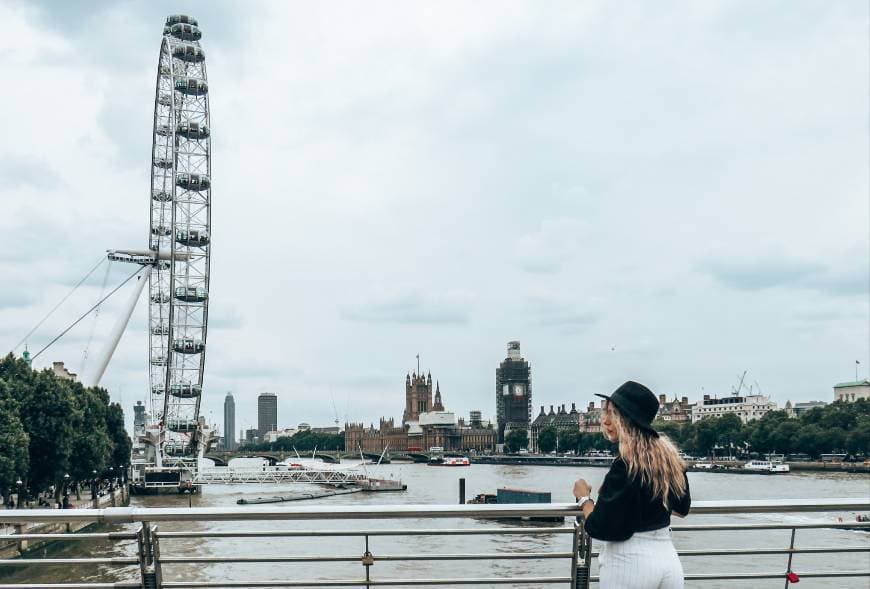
[[179, 237]]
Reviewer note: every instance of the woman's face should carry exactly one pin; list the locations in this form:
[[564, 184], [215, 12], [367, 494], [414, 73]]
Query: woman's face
[[608, 423]]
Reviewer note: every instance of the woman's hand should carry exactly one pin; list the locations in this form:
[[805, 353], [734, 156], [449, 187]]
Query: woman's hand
[[581, 488]]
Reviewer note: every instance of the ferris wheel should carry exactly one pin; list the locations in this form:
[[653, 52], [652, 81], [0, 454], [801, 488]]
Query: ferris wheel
[[179, 241]]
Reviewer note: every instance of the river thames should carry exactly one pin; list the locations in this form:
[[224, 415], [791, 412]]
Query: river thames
[[427, 485]]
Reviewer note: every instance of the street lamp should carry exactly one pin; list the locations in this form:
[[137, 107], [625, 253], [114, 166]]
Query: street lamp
[[94, 484], [19, 483], [65, 492], [111, 479]]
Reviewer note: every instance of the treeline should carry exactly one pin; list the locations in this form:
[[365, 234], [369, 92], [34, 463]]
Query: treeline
[[305, 440], [51, 427], [836, 428]]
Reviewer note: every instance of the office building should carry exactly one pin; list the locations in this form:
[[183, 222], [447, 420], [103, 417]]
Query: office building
[[267, 413], [140, 418], [229, 422], [746, 407]]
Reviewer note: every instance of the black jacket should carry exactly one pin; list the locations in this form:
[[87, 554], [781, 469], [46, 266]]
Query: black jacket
[[626, 506]]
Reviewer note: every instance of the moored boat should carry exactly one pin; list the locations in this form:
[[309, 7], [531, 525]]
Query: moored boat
[[766, 466], [449, 461]]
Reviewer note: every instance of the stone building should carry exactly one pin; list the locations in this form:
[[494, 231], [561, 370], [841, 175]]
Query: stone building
[[425, 424], [373, 441], [852, 391], [590, 420], [513, 392], [561, 420], [678, 410], [802, 407], [746, 407], [418, 396], [61, 371]]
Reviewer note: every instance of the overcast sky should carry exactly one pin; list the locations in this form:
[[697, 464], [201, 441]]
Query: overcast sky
[[667, 192]]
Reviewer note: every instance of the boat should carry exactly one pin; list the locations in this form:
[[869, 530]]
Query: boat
[[766, 466], [449, 461], [381, 485], [508, 496], [483, 499]]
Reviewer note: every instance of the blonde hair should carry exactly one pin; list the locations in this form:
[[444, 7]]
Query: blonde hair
[[656, 460]]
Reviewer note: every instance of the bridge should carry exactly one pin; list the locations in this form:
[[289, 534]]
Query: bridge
[[272, 474], [222, 457]]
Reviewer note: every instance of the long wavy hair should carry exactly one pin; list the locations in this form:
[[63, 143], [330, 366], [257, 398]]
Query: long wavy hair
[[656, 460]]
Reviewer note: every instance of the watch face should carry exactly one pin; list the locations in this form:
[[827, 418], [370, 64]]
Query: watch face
[[518, 390]]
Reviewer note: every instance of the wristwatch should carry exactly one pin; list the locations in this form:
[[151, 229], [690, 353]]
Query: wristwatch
[[582, 500]]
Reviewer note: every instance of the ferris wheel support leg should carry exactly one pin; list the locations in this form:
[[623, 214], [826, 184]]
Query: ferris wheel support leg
[[120, 326]]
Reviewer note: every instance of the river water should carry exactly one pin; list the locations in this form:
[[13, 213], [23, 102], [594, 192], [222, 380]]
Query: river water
[[427, 485]]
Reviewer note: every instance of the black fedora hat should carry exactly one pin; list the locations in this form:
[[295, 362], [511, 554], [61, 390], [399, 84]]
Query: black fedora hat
[[636, 402]]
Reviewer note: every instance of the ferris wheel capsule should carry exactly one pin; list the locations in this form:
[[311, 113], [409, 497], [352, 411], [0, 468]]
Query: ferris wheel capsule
[[174, 19], [188, 52], [196, 182], [184, 31], [191, 86], [192, 130]]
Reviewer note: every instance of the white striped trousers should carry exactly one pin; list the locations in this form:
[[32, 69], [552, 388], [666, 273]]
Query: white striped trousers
[[647, 560]]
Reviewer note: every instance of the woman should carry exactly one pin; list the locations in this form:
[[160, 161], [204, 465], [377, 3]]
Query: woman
[[646, 483]]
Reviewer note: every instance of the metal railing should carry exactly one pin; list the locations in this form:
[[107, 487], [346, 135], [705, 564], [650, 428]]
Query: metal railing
[[156, 549]]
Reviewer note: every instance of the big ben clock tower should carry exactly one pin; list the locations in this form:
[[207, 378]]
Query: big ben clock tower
[[513, 392]]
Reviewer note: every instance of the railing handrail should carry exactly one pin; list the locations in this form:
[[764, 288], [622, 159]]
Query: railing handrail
[[346, 512]]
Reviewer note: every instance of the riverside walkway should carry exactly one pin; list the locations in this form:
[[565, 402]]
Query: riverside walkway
[[157, 551]]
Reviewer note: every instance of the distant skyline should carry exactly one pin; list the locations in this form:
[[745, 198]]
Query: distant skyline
[[672, 192]]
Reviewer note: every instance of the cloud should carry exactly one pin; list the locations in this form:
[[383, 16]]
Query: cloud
[[547, 250], [413, 308], [14, 296], [23, 171], [783, 272], [564, 316], [224, 317]]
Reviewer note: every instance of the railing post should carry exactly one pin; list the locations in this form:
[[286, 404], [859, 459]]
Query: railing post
[[790, 556], [367, 561], [581, 558], [22, 544], [158, 569], [149, 567]]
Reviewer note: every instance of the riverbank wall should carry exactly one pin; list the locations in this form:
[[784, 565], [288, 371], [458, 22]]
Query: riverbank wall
[[10, 548], [853, 467]]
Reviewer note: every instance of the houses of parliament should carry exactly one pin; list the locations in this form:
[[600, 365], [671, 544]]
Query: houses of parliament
[[425, 424]]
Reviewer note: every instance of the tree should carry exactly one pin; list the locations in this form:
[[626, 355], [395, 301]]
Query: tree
[[121, 444], [47, 412], [547, 439], [63, 427], [516, 440], [671, 429], [14, 460], [569, 440], [91, 447]]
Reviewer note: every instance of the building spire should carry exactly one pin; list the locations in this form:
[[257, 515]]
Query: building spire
[[437, 405]]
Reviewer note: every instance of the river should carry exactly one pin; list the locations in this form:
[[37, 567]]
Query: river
[[427, 485]]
